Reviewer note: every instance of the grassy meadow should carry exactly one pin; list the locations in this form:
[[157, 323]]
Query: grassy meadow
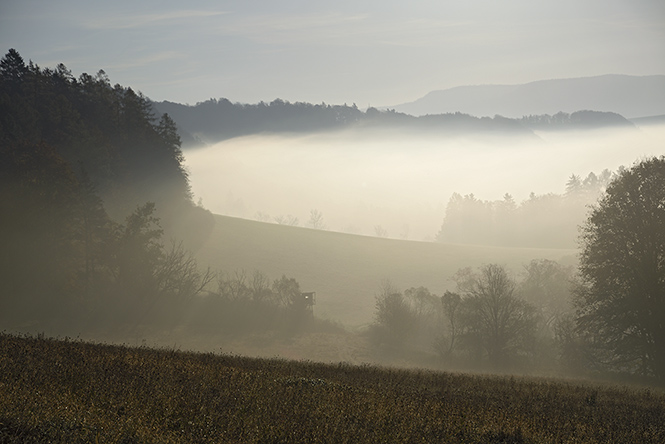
[[346, 270], [62, 391]]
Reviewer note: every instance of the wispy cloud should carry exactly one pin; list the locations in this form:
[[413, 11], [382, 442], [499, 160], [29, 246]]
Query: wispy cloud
[[290, 27], [119, 22], [140, 61], [339, 29]]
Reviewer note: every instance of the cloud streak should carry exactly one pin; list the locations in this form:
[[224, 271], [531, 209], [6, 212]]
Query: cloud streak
[[131, 21], [343, 30], [142, 61]]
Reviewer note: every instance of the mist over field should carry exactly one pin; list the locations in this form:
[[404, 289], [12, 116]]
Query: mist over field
[[398, 181], [188, 191]]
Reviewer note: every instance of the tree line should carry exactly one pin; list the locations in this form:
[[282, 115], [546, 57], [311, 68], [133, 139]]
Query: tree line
[[91, 185], [607, 317], [548, 220], [248, 302], [578, 120], [220, 119], [490, 320]]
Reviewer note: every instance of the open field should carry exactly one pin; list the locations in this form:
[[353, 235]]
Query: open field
[[74, 392], [346, 270]]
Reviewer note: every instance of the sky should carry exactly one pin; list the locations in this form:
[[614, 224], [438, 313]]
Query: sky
[[372, 53]]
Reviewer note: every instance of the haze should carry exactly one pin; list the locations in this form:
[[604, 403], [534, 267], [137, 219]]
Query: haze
[[367, 182], [401, 182]]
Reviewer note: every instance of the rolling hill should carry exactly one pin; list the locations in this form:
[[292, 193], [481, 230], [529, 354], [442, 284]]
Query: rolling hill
[[346, 270], [630, 96]]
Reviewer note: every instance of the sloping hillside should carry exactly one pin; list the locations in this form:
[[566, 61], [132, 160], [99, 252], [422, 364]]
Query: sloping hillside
[[346, 270]]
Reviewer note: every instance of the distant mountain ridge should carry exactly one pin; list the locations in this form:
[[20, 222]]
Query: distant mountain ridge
[[630, 96]]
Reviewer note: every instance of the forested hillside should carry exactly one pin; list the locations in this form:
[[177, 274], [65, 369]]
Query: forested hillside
[[215, 120], [91, 183]]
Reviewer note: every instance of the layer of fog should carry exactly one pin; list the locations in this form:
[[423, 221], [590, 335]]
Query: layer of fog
[[398, 182]]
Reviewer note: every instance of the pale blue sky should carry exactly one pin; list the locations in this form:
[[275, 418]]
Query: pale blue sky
[[368, 52]]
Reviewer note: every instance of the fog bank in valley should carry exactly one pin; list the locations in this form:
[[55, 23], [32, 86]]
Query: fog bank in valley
[[397, 184]]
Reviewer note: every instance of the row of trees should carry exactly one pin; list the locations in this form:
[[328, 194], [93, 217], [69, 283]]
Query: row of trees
[[490, 318], [249, 302], [215, 120], [315, 220], [577, 120], [548, 220], [609, 316], [218, 119]]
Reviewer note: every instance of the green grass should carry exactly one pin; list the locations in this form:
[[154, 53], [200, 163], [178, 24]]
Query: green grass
[[346, 270], [73, 392]]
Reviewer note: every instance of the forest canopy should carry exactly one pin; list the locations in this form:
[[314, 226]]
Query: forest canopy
[[90, 183]]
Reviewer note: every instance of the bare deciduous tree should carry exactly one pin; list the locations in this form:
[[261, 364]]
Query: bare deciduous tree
[[450, 303], [494, 320], [178, 273], [287, 220], [262, 217], [233, 286], [379, 231], [260, 287], [316, 220]]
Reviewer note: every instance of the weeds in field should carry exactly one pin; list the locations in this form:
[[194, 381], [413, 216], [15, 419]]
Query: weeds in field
[[75, 392]]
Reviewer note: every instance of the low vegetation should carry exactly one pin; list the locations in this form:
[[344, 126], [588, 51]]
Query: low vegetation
[[70, 391]]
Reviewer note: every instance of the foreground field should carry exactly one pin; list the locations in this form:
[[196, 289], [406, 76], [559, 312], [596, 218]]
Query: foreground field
[[346, 270], [59, 391]]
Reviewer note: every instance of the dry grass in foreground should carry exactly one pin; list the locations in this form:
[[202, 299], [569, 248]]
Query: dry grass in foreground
[[75, 392]]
